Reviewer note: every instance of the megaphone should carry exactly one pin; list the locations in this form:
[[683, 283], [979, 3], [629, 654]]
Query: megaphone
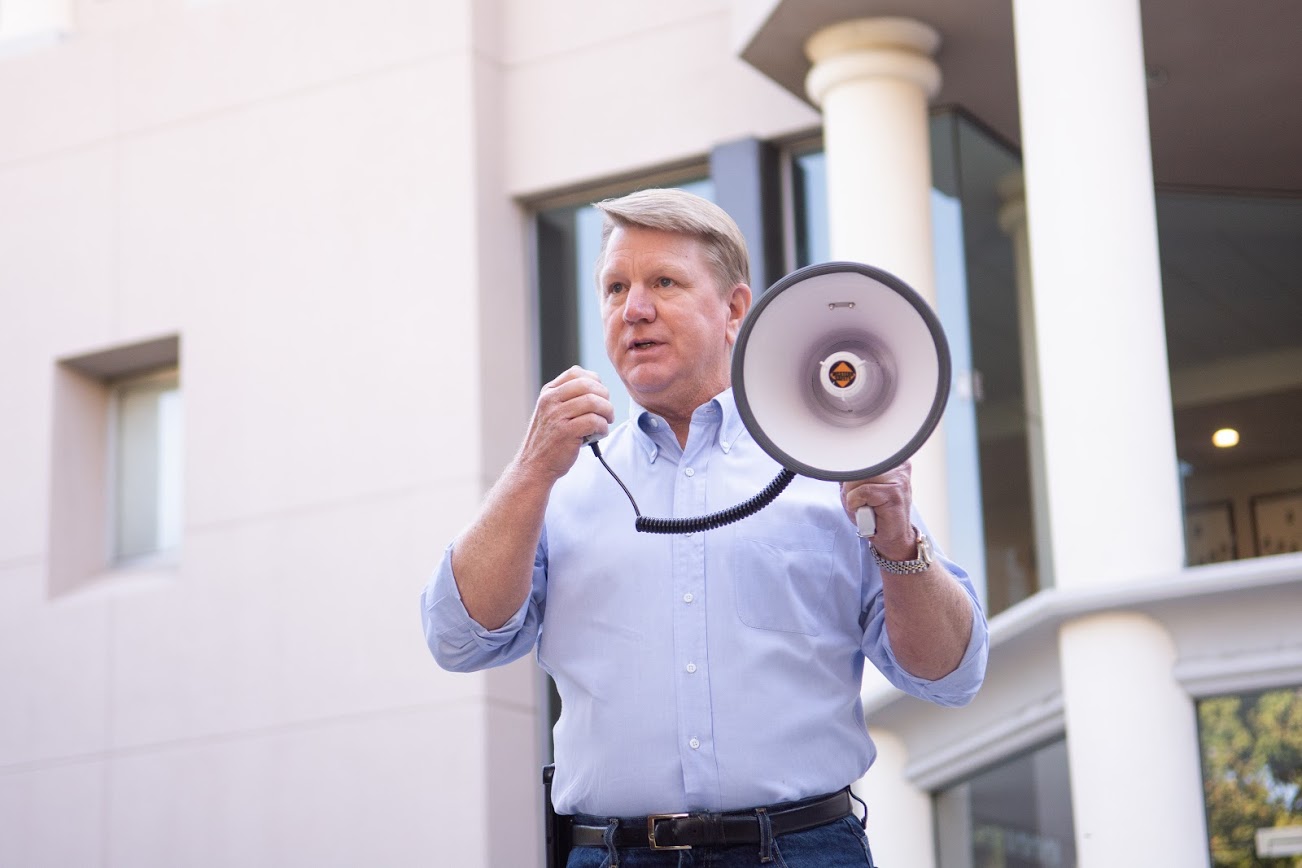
[[841, 372]]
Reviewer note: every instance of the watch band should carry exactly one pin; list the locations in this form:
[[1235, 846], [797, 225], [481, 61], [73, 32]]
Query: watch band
[[920, 564]]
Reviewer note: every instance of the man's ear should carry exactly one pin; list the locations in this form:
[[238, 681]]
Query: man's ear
[[738, 304]]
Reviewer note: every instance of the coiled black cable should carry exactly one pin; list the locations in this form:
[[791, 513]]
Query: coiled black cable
[[714, 520]]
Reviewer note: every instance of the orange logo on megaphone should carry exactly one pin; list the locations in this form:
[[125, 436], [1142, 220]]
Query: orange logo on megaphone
[[842, 374]]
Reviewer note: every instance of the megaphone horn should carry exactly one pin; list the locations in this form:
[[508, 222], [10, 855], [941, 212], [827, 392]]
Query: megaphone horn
[[841, 372]]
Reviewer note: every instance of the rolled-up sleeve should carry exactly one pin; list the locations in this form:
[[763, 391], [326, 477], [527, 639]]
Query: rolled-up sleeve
[[955, 689], [461, 644]]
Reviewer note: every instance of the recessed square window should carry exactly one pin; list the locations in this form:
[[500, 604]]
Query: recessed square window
[[116, 463]]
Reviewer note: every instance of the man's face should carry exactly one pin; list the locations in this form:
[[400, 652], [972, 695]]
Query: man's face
[[669, 330]]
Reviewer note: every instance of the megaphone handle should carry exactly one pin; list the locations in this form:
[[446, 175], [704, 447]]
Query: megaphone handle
[[867, 521]]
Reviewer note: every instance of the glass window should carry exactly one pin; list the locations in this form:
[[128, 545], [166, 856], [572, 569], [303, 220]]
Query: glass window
[[1234, 343], [1251, 746], [809, 194], [569, 238], [146, 465], [1015, 815]]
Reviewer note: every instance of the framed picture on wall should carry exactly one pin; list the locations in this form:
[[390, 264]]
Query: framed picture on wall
[[1209, 533], [1277, 522]]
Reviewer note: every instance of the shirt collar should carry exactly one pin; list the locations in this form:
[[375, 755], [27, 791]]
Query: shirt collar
[[648, 428], [732, 428]]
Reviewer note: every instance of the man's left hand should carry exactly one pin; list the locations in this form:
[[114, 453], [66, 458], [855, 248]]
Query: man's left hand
[[890, 497]]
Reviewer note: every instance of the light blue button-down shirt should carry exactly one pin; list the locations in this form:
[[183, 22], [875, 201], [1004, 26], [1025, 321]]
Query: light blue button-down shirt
[[710, 672]]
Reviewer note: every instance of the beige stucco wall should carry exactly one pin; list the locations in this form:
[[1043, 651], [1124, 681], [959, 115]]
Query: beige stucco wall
[[601, 89]]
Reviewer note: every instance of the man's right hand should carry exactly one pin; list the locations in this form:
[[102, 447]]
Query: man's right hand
[[494, 570], [571, 407]]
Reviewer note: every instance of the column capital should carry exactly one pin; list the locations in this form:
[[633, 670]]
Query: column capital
[[866, 48]]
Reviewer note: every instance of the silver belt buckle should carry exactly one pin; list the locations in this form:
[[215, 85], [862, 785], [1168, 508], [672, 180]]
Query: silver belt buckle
[[651, 821]]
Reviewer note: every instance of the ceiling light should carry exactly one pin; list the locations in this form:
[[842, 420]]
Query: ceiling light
[[1225, 438]]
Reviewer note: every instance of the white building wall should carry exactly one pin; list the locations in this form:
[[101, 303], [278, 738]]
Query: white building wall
[[601, 90], [269, 181]]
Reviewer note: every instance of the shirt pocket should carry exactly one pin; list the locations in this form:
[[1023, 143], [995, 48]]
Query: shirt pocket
[[781, 574]]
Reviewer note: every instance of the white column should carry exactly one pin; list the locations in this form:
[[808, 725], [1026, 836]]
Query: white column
[[1012, 220], [899, 814], [873, 78], [1109, 445], [1132, 745], [1110, 464]]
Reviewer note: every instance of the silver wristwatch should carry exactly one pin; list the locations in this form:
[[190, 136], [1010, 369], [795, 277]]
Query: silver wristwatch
[[905, 568]]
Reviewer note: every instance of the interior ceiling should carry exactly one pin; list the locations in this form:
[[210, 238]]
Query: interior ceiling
[[1223, 97], [1268, 426]]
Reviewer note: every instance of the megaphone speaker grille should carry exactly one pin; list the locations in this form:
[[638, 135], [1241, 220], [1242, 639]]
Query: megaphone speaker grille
[[852, 379], [841, 371]]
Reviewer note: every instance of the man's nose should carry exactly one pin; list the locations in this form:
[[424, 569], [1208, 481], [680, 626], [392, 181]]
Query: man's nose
[[639, 304]]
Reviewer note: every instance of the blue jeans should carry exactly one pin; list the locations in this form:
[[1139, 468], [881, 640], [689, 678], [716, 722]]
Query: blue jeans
[[840, 844]]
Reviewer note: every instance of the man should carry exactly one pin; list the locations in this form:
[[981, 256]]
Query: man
[[714, 674]]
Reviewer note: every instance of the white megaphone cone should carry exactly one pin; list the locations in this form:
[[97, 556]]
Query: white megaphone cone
[[841, 372]]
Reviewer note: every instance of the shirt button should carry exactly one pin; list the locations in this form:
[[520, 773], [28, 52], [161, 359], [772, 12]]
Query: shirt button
[[695, 743], [687, 598], [690, 472], [655, 423], [725, 445], [691, 667]]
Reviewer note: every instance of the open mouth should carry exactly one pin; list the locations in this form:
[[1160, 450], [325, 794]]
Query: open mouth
[[642, 345]]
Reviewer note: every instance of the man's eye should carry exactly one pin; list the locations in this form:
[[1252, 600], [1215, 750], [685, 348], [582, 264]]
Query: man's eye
[[614, 288], [665, 282]]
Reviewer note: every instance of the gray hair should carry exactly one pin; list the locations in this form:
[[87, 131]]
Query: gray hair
[[680, 212]]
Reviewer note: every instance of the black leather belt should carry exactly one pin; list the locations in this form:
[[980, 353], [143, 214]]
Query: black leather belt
[[685, 831]]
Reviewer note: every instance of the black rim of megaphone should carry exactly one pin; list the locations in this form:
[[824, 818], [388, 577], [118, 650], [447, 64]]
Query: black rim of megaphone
[[937, 405]]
